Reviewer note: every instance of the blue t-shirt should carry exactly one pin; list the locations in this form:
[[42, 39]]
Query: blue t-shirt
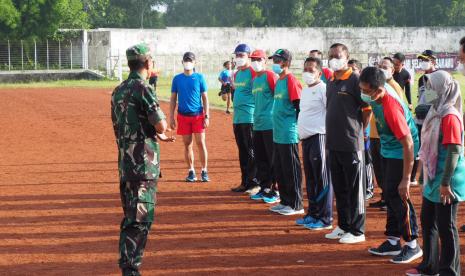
[[189, 90], [225, 76]]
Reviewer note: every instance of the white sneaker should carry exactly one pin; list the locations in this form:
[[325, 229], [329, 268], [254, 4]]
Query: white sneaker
[[289, 211], [348, 238], [336, 234], [253, 191], [414, 183], [278, 207]]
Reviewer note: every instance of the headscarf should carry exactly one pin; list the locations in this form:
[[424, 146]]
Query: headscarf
[[449, 101]]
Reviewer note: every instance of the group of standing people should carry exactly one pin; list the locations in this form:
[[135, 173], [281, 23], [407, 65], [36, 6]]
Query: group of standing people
[[335, 118], [330, 116]]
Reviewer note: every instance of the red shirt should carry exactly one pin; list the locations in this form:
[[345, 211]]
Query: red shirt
[[395, 117], [451, 130], [271, 78], [294, 88], [328, 73]]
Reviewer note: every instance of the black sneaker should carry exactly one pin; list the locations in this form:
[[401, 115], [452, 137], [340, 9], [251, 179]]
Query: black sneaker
[[239, 189], [386, 249], [407, 255], [130, 272], [377, 204]]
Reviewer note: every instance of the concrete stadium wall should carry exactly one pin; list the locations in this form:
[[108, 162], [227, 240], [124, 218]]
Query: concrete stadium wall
[[221, 41]]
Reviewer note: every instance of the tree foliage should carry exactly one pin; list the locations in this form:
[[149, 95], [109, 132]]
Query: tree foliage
[[22, 19]]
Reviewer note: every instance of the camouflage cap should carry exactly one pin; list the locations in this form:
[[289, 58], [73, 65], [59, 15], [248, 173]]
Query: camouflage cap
[[138, 52]]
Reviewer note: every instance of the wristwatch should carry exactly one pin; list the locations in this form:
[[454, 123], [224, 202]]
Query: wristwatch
[[207, 117]]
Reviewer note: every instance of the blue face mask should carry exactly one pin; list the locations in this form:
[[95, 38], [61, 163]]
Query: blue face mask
[[366, 98], [277, 68]]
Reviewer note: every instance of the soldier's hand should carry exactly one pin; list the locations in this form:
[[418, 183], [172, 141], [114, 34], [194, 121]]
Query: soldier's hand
[[162, 137]]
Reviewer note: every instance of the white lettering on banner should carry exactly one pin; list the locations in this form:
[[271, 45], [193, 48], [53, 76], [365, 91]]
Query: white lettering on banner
[[444, 61]]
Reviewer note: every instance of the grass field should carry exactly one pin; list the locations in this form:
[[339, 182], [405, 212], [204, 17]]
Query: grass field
[[164, 87]]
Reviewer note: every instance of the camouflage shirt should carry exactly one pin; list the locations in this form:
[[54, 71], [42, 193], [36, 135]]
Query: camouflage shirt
[[134, 112]]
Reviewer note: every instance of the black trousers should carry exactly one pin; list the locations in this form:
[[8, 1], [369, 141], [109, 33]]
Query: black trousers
[[369, 173], [347, 173], [244, 140], [317, 178], [417, 159], [263, 145], [439, 222], [375, 149], [288, 174], [401, 217]]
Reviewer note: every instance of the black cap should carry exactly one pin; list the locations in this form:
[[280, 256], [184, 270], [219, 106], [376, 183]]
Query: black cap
[[188, 55], [282, 53], [427, 55]]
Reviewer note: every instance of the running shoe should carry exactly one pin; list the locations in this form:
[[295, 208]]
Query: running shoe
[[305, 220], [257, 196], [386, 249], [349, 238], [239, 189], [407, 255], [336, 234], [277, 207], [289, 211], [254, 190], [318, 225], [205, 177], [191, 177]]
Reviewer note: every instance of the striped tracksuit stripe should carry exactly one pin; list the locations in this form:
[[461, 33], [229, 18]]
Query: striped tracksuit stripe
[[347, 175], [317, 178]]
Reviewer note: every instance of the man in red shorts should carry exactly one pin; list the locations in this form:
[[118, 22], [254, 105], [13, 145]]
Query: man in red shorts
[[189, 92]]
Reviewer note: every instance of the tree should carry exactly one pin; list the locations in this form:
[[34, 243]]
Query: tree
[[123, 14], [9, 17], [328, 13], [364, 13]]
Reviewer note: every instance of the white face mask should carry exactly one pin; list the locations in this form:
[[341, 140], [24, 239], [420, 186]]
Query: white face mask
[[425, 65], [461, 69], [309, 78], [240, 61], [188, 65], [387, 74], [257, 66], [337, 64]]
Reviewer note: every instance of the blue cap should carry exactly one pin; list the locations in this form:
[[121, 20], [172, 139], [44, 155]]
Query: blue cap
[[242, 48]]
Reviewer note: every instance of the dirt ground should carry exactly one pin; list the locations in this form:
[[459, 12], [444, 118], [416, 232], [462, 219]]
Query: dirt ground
[[60, 209]]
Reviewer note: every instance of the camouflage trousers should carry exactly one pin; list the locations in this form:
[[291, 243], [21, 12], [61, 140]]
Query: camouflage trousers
[[138, 199]]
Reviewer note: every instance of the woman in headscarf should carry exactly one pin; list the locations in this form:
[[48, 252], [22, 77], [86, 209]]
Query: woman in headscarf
[[444, 173]]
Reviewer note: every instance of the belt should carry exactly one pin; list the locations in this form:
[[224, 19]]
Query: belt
[[191, 114]]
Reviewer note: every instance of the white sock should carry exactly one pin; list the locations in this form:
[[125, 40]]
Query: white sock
[[192, 170], [412, 244], [204, 169], [393, 240]]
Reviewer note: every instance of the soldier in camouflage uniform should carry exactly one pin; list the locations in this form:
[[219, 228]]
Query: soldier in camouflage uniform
[[137, 122]]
